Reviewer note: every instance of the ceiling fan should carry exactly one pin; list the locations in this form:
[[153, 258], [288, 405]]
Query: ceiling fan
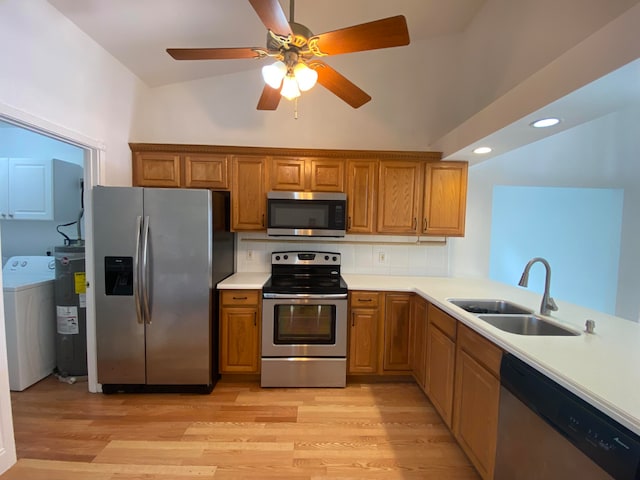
[[296, 50]]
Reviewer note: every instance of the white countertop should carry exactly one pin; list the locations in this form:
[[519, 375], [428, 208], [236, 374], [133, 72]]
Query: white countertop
[[602, 368]]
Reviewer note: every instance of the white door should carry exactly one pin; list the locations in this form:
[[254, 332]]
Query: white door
[[7, 442], [30, 189]]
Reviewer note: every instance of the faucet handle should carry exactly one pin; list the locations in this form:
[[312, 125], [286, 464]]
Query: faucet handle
[[551, 304]]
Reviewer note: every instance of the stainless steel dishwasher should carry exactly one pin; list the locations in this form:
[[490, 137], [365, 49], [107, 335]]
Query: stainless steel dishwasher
[[546, 432]]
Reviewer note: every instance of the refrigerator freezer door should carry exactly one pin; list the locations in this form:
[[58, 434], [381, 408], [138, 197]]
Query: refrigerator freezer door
[[178, 332], [119, 331]]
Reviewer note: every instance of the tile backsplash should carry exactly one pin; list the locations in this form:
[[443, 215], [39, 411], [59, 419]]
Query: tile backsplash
[[372, 255]]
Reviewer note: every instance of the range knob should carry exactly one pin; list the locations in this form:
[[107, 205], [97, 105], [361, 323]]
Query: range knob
[[326, 257], [335, 259], [286, 257], [277, 258]]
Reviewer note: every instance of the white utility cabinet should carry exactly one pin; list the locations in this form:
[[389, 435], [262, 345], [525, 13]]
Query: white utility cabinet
[[37, 189]]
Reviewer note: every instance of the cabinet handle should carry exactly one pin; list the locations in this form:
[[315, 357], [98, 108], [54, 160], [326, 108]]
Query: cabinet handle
[[353, 320], [239, 298], [424, 224], [263, 219], [365, 299], [415, 223], [349, 224], [255, 319]]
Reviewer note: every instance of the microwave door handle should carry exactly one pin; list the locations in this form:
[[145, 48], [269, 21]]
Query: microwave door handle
[[137, 287]]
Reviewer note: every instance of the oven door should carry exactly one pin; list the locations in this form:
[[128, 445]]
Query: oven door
[[312, 326]]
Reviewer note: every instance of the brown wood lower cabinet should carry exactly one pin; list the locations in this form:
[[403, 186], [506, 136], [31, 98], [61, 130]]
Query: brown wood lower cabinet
[[364, 321], [240, 331], [441, 357], [477, 397], [397, 331], [419, 339]]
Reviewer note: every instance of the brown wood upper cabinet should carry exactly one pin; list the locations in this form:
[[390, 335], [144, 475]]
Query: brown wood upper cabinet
[[156, 169], [361, 195], [248, 196], [307, 174], [445, 198], [206, 171], [399, 196], [201, 170]]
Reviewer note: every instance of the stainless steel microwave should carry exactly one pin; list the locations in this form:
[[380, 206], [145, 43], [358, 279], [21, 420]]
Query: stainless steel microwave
[[312, 214]]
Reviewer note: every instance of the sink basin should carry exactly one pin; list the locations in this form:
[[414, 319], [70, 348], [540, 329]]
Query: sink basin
[[491, 306], [526, 325]]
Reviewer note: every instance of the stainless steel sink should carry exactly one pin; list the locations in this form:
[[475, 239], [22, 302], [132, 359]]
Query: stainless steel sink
[[490, 306], [526, 325]]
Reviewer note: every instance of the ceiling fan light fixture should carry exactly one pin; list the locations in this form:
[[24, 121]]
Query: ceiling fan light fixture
[[274, 73], [290, 88], [305, 76]]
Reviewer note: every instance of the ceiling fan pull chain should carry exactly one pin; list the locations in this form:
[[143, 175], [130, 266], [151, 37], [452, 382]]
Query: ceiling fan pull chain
[[295, 108]]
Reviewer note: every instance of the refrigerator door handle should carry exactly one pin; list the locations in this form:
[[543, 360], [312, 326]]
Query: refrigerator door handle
[[136, 272], [145, 271]]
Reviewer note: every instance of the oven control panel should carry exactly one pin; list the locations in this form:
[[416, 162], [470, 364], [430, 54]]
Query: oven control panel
[[305, 258]]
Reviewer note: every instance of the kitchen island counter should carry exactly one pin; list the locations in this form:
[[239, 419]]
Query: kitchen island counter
[[601, 368]]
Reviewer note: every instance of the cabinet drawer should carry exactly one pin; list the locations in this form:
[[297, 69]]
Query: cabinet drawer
[[240, 297], [364, 299], [481, 349], [443, 321]]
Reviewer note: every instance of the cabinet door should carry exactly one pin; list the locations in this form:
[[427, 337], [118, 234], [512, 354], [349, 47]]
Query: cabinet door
[[397, 345], [288, 174], [326, 175], [239, 340], [4, 188], [248, 198], [363, 340], [361, 194], [399, 198], [151, 169], [419, 337], [476, 412], [441, 353], [206, 171], [445, 198], [30, 189]]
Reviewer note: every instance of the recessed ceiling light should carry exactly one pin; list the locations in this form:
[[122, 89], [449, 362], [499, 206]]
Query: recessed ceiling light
[[481, 150], [545, 122]]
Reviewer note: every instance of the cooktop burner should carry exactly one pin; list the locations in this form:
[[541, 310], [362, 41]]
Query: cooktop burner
[[294, 272]]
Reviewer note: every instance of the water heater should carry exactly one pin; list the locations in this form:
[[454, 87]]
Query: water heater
[[71, 311]]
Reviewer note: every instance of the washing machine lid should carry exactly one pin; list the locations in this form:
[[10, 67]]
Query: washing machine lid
[[27, 271]]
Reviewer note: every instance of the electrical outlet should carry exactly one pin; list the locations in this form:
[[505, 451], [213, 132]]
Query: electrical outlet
[[250, 255], [382, 257]]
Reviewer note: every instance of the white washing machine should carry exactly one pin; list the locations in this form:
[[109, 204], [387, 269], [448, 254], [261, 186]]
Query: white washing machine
[[29, 311]]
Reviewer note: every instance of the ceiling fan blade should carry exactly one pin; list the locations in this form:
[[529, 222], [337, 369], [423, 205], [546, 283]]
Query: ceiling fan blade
[[212, 53], [384, 33], [269, 99], [272, 15], [340, 85]]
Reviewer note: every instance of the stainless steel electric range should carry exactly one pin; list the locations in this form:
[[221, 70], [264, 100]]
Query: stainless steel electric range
[[304, 321]]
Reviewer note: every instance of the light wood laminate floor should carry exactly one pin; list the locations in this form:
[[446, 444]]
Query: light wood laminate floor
[[364, 431]]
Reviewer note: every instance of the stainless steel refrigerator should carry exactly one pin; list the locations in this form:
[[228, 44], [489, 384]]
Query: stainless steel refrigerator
[[159, 253]]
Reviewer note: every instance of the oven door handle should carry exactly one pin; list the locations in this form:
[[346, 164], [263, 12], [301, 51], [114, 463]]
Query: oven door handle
[[305, 295]]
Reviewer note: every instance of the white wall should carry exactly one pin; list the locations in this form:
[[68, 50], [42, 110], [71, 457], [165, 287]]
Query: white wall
[[55, 73], [601, 153]]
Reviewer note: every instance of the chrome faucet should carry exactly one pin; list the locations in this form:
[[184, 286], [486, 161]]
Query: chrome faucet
[[548, 303]]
